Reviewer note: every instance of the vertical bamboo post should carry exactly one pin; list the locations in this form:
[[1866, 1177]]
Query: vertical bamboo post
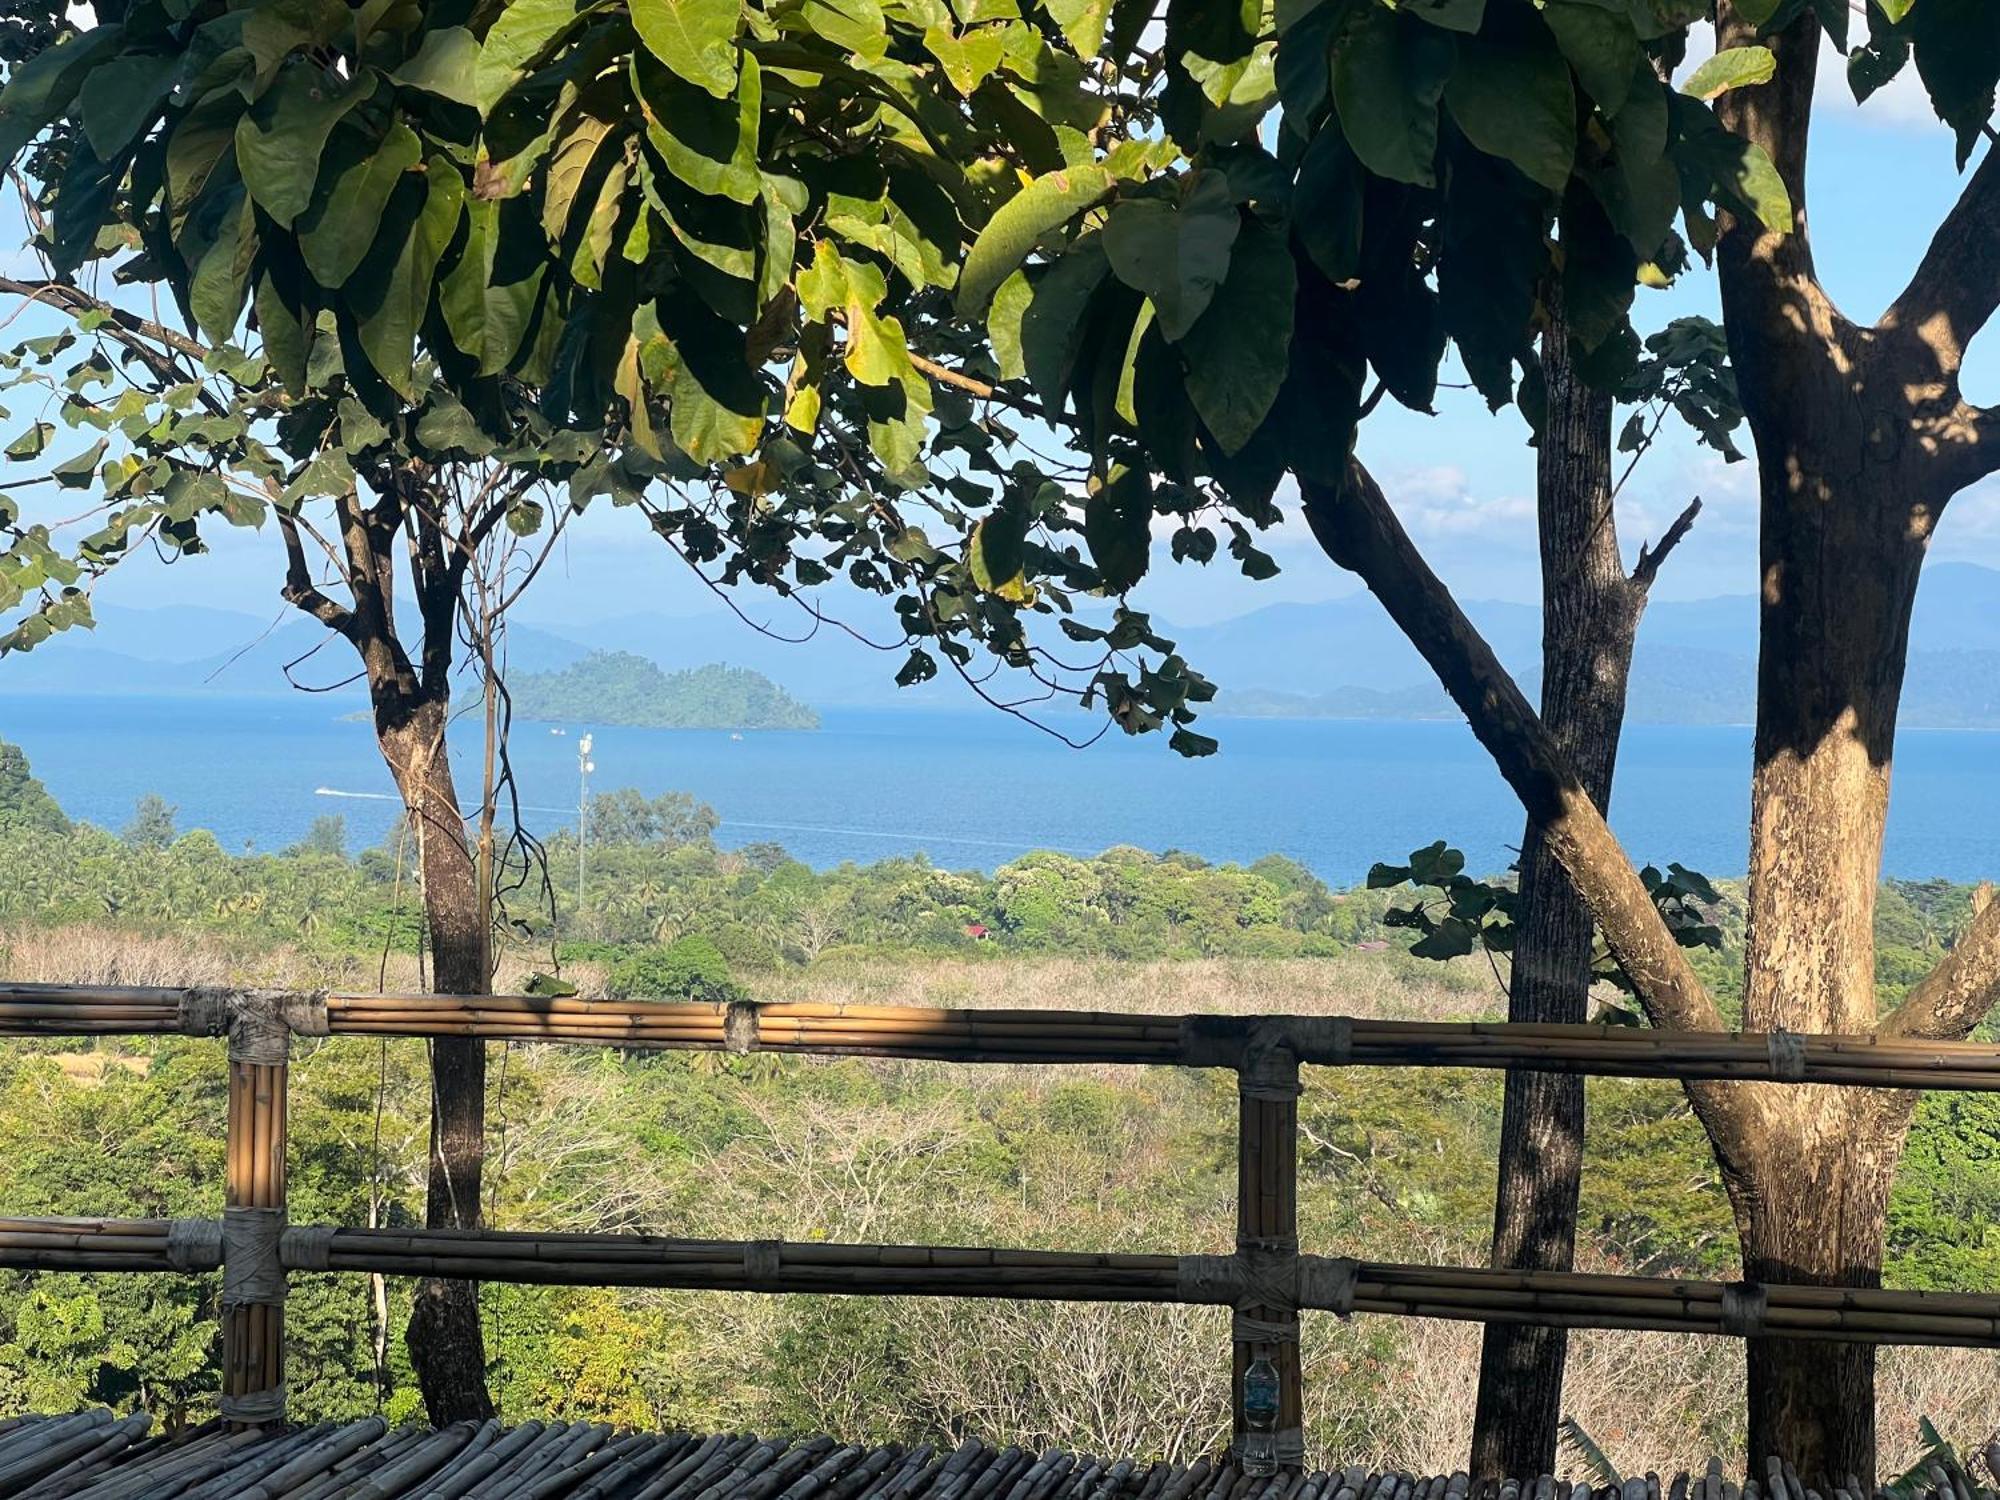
[[1267, 1235], [253, 1220]]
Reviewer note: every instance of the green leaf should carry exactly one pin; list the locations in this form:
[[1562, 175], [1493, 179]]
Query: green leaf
[[280, 140], [219, 243], [390, 303], [447, 65], [1238, 353], [30, 444], [524, 31], [40, 89], [1893, 11], [1082, 23], [80, 471], [1048, 202], [967, 60], [1326, 206], [996, 554], [1117, 524], [1516, 103], [710, 145], [1602, 45], [1383, 877], [1738, 172], [1731, 68], [1003, 324], [283, 331], [1052, 327], [695, 38], [1176, 253], [1757, 12], [1387, 80], [340, 226], [695, 359], [121, 97]]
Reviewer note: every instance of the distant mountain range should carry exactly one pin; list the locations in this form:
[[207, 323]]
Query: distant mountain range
[[1696, 662]]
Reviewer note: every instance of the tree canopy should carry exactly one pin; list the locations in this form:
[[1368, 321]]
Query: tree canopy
[[816, 284]]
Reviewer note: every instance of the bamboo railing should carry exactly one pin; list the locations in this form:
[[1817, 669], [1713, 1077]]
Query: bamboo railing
[[1268, 1280]]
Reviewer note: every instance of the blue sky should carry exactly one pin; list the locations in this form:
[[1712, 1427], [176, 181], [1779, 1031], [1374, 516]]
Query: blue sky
[[1463, 479]]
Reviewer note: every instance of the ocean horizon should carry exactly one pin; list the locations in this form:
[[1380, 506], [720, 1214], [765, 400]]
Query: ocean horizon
[[977, 789]]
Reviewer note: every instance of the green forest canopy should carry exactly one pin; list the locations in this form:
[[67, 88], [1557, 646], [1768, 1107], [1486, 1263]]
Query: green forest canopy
[[621, 687]]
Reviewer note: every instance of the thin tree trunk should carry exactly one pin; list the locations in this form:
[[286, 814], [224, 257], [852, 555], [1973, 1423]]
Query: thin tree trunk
[[1590, 615], [445, 1340]]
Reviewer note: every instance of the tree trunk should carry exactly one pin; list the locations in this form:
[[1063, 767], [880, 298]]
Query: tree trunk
[[1590, 614], [445, 1340]]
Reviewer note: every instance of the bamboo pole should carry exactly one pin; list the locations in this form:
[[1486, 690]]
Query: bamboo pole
[[1267, 1232], [253, 1309]]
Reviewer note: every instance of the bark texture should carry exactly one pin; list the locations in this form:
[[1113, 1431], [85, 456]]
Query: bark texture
[[1590, 616]]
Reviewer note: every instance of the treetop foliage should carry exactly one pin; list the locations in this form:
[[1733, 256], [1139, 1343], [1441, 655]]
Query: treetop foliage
[[813, 281]]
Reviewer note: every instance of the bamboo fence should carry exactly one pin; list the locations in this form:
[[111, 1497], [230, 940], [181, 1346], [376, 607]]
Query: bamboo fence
[[1055, 1036], [1267, 1281], [92, 1456]]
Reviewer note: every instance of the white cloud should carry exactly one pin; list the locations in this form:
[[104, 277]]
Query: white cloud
[[1437, 502]]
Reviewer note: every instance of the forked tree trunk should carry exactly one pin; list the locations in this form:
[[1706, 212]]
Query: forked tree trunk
[[445, 1341], [1590, 614]]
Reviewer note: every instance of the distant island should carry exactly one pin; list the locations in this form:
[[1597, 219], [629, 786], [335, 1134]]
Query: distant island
[[617, 687]]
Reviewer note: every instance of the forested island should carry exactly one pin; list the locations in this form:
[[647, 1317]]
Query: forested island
[[619, 687]]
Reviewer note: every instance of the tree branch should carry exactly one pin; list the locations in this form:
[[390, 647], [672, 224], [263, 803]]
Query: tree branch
[[300, 590], [1650, 558], [1965, 442], [75, 301], [1357, 529], [1956, 286], [1959, 993]]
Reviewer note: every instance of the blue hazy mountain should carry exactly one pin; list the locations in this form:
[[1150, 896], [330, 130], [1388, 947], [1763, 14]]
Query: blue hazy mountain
[[1341, 658]]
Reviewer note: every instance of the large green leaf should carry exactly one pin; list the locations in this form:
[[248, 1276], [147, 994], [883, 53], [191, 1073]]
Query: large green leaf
[[1048, 202], [524, 30], [356, 179], [390, 306], [1327, 204], [280, 140], [1118, 525], [695, 359], [1388, 77], [1052, 326], [1731, 68], [1176, 253], [219, 245], [1736, 171], [967, 60], [693, 37], [1237, 354], [41, 88], [1452, 15], [709, 144], [1602, 45], [121, 97], [1516, 103], [447, 65]]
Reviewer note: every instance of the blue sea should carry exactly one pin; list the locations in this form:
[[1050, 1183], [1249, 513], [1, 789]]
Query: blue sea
[[978, 789]]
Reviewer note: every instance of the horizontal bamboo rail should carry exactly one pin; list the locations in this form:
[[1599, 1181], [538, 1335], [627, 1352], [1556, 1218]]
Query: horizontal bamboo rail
[[1047, 1036], [1562, 1298]]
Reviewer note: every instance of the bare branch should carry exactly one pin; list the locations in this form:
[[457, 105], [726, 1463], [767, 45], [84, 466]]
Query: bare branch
[[1650, 558], [1956, 286], [76, 302], [300, 591], [1965, 442], [1357, 529], [1959, 993]]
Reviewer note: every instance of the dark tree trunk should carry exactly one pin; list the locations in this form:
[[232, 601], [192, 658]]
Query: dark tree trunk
[[445, 1340], [1590, 613]]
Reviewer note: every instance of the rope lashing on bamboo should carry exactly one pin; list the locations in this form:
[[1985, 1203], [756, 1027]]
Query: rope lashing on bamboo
[[739, 1026], [1233, 1042], [253, 1273], [1269, 1071], [307, 1247], [1744, 1304], [762, 1259], [194, 1244], [1788, 1055], [255, 1408], [260, 1024]]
